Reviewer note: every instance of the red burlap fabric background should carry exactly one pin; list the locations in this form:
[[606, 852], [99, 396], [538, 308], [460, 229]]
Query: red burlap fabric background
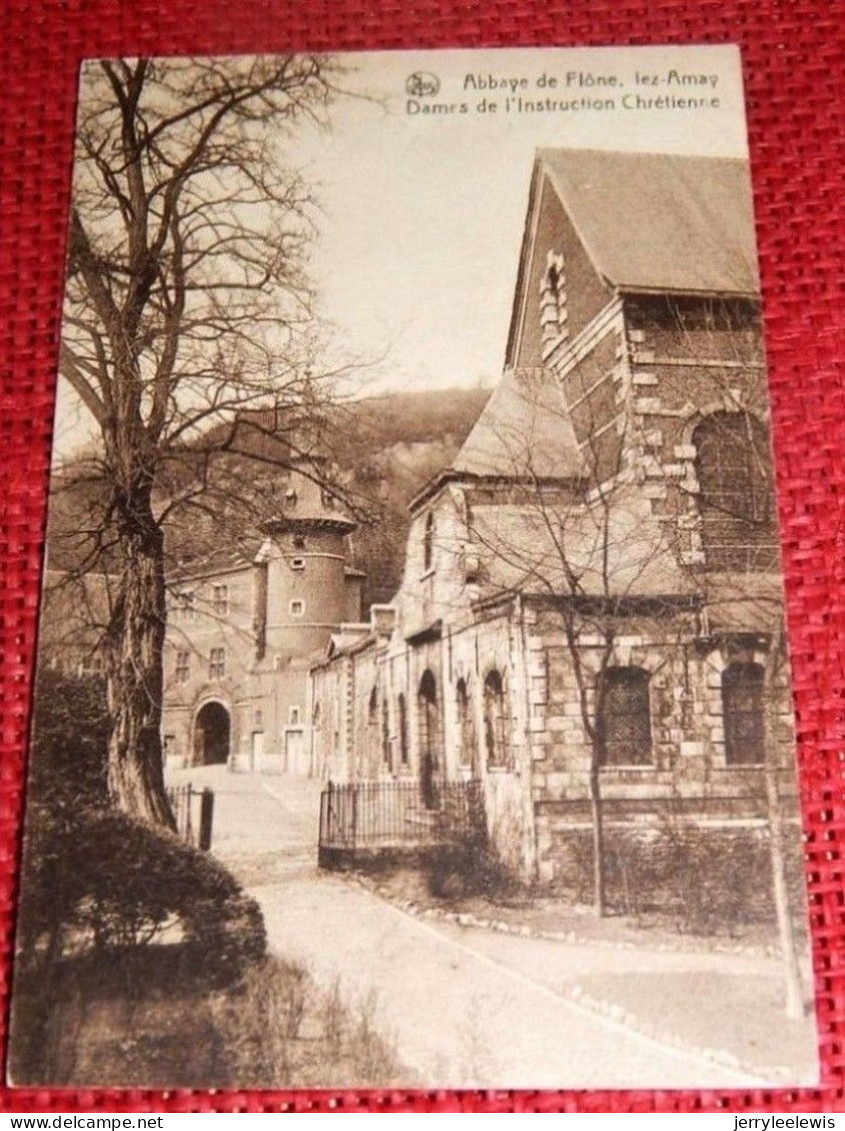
[[794, 57]]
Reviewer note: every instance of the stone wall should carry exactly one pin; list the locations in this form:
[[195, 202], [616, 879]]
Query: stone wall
[[687, 778]]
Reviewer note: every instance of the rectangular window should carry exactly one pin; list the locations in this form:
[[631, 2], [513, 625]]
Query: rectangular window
[[297, 608], [297, 563], [183, 667], [217, 663], [169, 746], [293, 716], [220, 600], [184, 607], [744, 714]]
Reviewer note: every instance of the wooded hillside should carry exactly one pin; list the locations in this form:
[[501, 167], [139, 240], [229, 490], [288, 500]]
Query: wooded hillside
[[382, 450]]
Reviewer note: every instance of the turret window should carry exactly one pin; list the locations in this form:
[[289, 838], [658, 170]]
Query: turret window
[[297, 608]]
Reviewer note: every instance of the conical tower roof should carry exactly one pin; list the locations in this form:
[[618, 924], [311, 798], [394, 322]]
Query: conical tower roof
[[308, 505]]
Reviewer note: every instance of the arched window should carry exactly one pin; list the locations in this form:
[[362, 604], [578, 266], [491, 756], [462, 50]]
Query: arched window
[[373, 730], [386, 752], [553, 300], [428, 542], [742, 708], [429, 733], [403, 730], [466, 725], [736, 502], [495, 720], [624, 722]]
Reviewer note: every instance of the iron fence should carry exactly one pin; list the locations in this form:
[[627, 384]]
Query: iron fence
[[376, 817], [194, 813]]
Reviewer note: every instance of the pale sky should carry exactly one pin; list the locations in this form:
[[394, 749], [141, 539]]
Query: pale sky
[[422, 213]]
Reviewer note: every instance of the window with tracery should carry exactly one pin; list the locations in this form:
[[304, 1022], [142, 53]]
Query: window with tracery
[[624, 721], [736, 501]]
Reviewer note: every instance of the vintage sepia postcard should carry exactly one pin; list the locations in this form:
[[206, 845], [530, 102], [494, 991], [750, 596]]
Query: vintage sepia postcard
[[413, 702]]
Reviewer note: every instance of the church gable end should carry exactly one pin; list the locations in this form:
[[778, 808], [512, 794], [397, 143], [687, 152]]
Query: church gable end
[[559, 290]]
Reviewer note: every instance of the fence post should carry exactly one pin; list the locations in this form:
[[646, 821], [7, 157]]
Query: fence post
[[206, 818], [189, 824]]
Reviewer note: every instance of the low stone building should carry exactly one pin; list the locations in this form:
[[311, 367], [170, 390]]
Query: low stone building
[[591, 609]]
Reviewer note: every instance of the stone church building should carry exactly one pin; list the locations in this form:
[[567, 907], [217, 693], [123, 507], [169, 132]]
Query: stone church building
[[591, 595], [595, 580]]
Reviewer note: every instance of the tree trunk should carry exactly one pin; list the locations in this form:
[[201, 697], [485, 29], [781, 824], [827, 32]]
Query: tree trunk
[[599, 877], [786, 931], [135, 646]]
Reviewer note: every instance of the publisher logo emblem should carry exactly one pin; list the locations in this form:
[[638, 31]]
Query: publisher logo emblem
[[422, 84]]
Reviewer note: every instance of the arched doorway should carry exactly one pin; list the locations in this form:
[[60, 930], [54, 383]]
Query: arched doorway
[[212, 733], [429, 717]]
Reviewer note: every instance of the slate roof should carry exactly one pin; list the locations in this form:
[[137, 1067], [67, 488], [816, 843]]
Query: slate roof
[[526, 547], [660, 222], [221, 560], [524, 429]]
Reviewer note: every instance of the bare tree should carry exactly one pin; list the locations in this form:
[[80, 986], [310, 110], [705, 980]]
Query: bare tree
[[575, 540], [740, 563], [187, 325]]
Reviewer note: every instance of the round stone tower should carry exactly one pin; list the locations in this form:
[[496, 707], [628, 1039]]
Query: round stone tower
[[309, 589]]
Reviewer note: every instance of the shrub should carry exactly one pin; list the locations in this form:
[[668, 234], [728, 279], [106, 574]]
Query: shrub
[[705, 880], [107, 881], [117, 909], [464, 868], [70, 738]]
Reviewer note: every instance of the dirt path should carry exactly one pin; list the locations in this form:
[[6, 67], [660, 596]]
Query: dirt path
[[468, 1008]]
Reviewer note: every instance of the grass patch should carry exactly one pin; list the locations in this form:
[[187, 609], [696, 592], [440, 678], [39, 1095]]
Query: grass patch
[[273, 1028]]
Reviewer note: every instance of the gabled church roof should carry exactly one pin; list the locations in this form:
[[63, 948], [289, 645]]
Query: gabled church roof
[[660, 222], [617, 551], [524, 430]]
